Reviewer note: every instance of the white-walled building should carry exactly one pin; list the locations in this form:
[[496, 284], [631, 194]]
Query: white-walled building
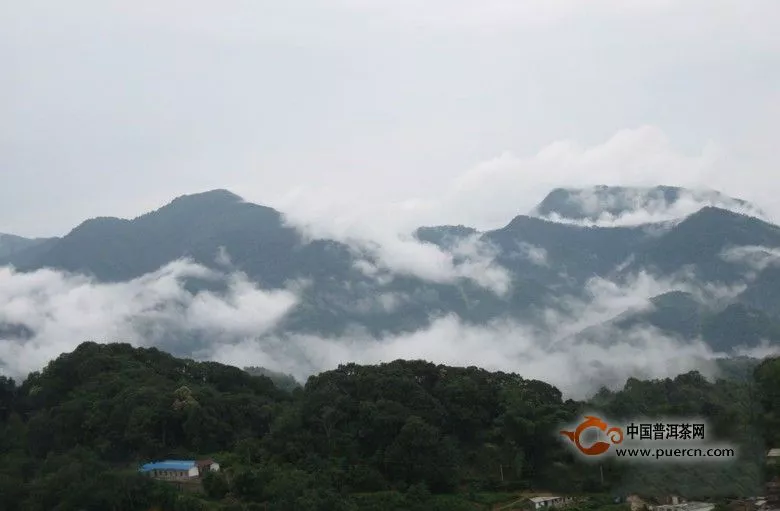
[[179, 469], [551, 501]]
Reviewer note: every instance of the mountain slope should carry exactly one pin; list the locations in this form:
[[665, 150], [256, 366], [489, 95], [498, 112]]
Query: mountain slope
[[548, 263], [12, 246], [764, 292], [739, 325], [698, 242], [678, 314], [578, 252], [609, 202], [675, 312], [193, 226]]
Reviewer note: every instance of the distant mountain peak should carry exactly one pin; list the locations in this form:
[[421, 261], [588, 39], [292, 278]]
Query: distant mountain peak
[[726, 214], [100, 223], [220, 195], [623, 205], [198, 204]]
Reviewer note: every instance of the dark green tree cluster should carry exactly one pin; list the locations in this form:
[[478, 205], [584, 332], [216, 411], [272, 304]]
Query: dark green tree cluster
[[404, 435], [767, 377], [733, 409]]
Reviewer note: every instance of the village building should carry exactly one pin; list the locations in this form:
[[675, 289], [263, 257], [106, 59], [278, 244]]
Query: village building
[[674, 503], [636, 503], [549, 502], [684, 506], [772, 496], [178, 470], [206, 465]]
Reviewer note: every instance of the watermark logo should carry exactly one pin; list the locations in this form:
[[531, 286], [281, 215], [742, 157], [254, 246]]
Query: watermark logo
[[615, 435], [595, 437]]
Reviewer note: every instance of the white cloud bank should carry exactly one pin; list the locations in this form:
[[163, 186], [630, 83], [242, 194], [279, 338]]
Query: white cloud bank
[[757, 258], [234, 327], [65, 310], [578, 370], [640, 206], [490, 194], [389, 251]]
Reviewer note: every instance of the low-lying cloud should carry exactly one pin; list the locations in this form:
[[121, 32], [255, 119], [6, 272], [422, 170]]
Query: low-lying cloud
[[537, 255], [757, 258], [578, 370], [63, 310], [640, 206], [385, 247], [237, 325]]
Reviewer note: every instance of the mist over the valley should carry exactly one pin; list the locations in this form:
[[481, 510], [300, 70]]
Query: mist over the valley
[[576, 339], [232, 327]]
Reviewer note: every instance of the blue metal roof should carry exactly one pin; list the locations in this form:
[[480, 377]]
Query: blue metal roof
[[167, 465]]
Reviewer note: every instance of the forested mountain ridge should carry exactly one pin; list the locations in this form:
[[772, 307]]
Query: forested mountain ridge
[[11, 245], [193, 226], [547, 263], [357, 437], [595, 203]]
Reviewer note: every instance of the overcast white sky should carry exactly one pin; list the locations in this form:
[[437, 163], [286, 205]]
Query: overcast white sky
[[454, 108]]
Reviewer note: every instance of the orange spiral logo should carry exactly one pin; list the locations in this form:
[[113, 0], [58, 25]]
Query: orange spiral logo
[[615, 435]]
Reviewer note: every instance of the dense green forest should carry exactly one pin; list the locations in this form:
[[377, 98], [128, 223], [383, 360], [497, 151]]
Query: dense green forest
[[405, 435]]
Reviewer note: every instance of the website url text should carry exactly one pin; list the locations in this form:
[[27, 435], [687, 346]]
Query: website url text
[[676, 453]]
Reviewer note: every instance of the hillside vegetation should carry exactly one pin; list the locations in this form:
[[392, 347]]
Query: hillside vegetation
[[397, 436]]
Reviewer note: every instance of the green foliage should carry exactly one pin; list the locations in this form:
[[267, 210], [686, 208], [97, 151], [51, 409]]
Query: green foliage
[[129, 403], [733, 408], [215, 485], [493, 498], [405, 435], [283, 381], [767, 377]]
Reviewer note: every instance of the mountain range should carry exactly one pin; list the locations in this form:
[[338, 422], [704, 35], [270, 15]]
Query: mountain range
[[714, 263]]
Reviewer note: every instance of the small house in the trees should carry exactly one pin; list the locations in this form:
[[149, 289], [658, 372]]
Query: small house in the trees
[[548, 502], [178, 469], [206, 465]]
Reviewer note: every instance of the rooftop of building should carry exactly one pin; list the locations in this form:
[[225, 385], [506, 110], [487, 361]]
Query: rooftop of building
[[543, 499], [686, 506], [168, 465]]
